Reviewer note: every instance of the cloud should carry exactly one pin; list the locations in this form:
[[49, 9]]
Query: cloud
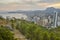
[[6, 1], [45, 5], [16, 7], [56, 5], [50, 1], [28, 4]]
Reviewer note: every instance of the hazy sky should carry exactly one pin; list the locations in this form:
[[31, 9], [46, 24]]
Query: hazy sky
[[28, 4]]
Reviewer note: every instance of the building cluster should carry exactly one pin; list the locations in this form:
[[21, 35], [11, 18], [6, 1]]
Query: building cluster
[[50, 20], [47, 20]]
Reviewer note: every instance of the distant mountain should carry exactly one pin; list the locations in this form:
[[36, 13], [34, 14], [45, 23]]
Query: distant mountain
[[52, 10], [48, 11]]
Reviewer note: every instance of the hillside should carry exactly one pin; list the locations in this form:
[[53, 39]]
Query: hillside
[[28, 30]]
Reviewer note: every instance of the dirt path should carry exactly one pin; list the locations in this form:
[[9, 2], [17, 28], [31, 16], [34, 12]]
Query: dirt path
[[18, 35]]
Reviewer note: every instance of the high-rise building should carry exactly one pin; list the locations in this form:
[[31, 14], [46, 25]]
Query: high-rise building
[[56, 19], [36, 19]]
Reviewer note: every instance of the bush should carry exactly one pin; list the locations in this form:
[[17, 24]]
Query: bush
[[5, 34]]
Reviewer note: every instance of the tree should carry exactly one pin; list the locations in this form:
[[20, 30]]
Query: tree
[[1, 17], [57, 38], [45, 36], [1, 38], [5, 34], [12, 23], [52, 36]]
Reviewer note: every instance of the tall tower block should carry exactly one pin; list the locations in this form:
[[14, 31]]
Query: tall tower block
[[56, 19]]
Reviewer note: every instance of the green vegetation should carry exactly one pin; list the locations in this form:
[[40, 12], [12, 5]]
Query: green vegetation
[[30, 30], [35, 32], [5, 34]]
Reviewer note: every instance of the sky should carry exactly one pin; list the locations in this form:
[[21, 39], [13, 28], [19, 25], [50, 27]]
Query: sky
[[28, 4]]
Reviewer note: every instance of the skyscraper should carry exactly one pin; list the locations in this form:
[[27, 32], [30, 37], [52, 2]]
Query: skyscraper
[[56, 19]]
